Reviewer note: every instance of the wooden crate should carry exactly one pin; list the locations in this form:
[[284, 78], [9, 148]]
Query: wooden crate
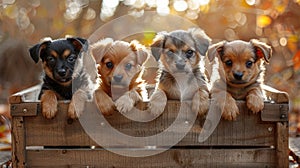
[[251, 141]]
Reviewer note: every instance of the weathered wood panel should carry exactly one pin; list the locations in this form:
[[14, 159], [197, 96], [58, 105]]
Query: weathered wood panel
[[253, 140], [282, 145], [264, 157], [18, 142], [247, 130]]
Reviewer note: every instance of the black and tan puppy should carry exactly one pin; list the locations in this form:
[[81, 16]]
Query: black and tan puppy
[[240, 75], [180, 74], [64, 74]]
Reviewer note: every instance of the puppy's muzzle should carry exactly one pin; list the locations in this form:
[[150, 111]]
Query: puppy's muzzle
[[180, 64], [118, 78], [238, 75], [62, 72]]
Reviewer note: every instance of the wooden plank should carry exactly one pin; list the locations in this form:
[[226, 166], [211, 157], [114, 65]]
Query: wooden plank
[[172, 158], [282, 150], [27, 95], [59, 131], [275, 95], [275, 112], [247, 130], [18, 142], [24, 109]]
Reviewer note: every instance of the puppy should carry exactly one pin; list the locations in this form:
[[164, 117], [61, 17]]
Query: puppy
[[240, 73], [120, 69], [180, 75], [64, 74]]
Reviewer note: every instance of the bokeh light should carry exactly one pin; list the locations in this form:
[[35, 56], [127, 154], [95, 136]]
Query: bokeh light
[[191, 14], [90, 14], [263, 21], [193, 4], [150, 3], [110, 3], [129, 2], [251, 2], [139, 4], [203, 2], [180, 5], [162, 3], [283, 41], [22, 20], [163, 10]]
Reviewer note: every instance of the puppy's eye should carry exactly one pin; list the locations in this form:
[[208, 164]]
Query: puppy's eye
[[189, 53], [109, 65], [228, 63], [128, 66], [249, 64], [50, 59], [71, 59], [170, 53]]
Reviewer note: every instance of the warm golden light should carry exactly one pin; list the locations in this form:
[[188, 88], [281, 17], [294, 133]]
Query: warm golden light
[[263, 21], [180, 5]]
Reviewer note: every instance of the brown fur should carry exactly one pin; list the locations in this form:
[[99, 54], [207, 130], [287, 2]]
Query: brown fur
[[240, 74], [114, 59], [180, 75]]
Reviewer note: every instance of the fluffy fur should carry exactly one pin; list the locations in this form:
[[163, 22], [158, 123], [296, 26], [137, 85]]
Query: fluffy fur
[[65, 74], [240, 75], [120, 69], [180, 75]]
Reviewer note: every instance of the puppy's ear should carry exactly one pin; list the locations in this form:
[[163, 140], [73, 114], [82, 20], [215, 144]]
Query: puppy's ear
[[78, 43], [157, 45], [216, 50], [142, 54], [99, 48], [201, 39], [261, 50], [37, 51]]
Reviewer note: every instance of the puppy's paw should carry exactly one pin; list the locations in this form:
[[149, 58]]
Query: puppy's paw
[[200, 102], [107, 106], [157, 102], [77, 104], [104, 102], [255, 103], [230, 110], [49, 104], [124, 104]]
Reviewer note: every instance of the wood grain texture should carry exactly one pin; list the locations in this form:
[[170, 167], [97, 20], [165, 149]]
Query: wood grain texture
[[275, 112], [247, 130], [173, 158], [18, 142], [24, 109], [253, 140], [282, 145]]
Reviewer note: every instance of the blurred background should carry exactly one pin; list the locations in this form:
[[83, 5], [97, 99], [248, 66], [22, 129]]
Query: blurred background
[[276, 22]]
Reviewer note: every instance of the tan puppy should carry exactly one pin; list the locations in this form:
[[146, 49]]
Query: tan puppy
[[180, 76], [120, 69], [240, 75]]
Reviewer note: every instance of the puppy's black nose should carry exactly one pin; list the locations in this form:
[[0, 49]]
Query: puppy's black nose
[[118, 78], [180, 65], [62, 72], [238, 75]]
